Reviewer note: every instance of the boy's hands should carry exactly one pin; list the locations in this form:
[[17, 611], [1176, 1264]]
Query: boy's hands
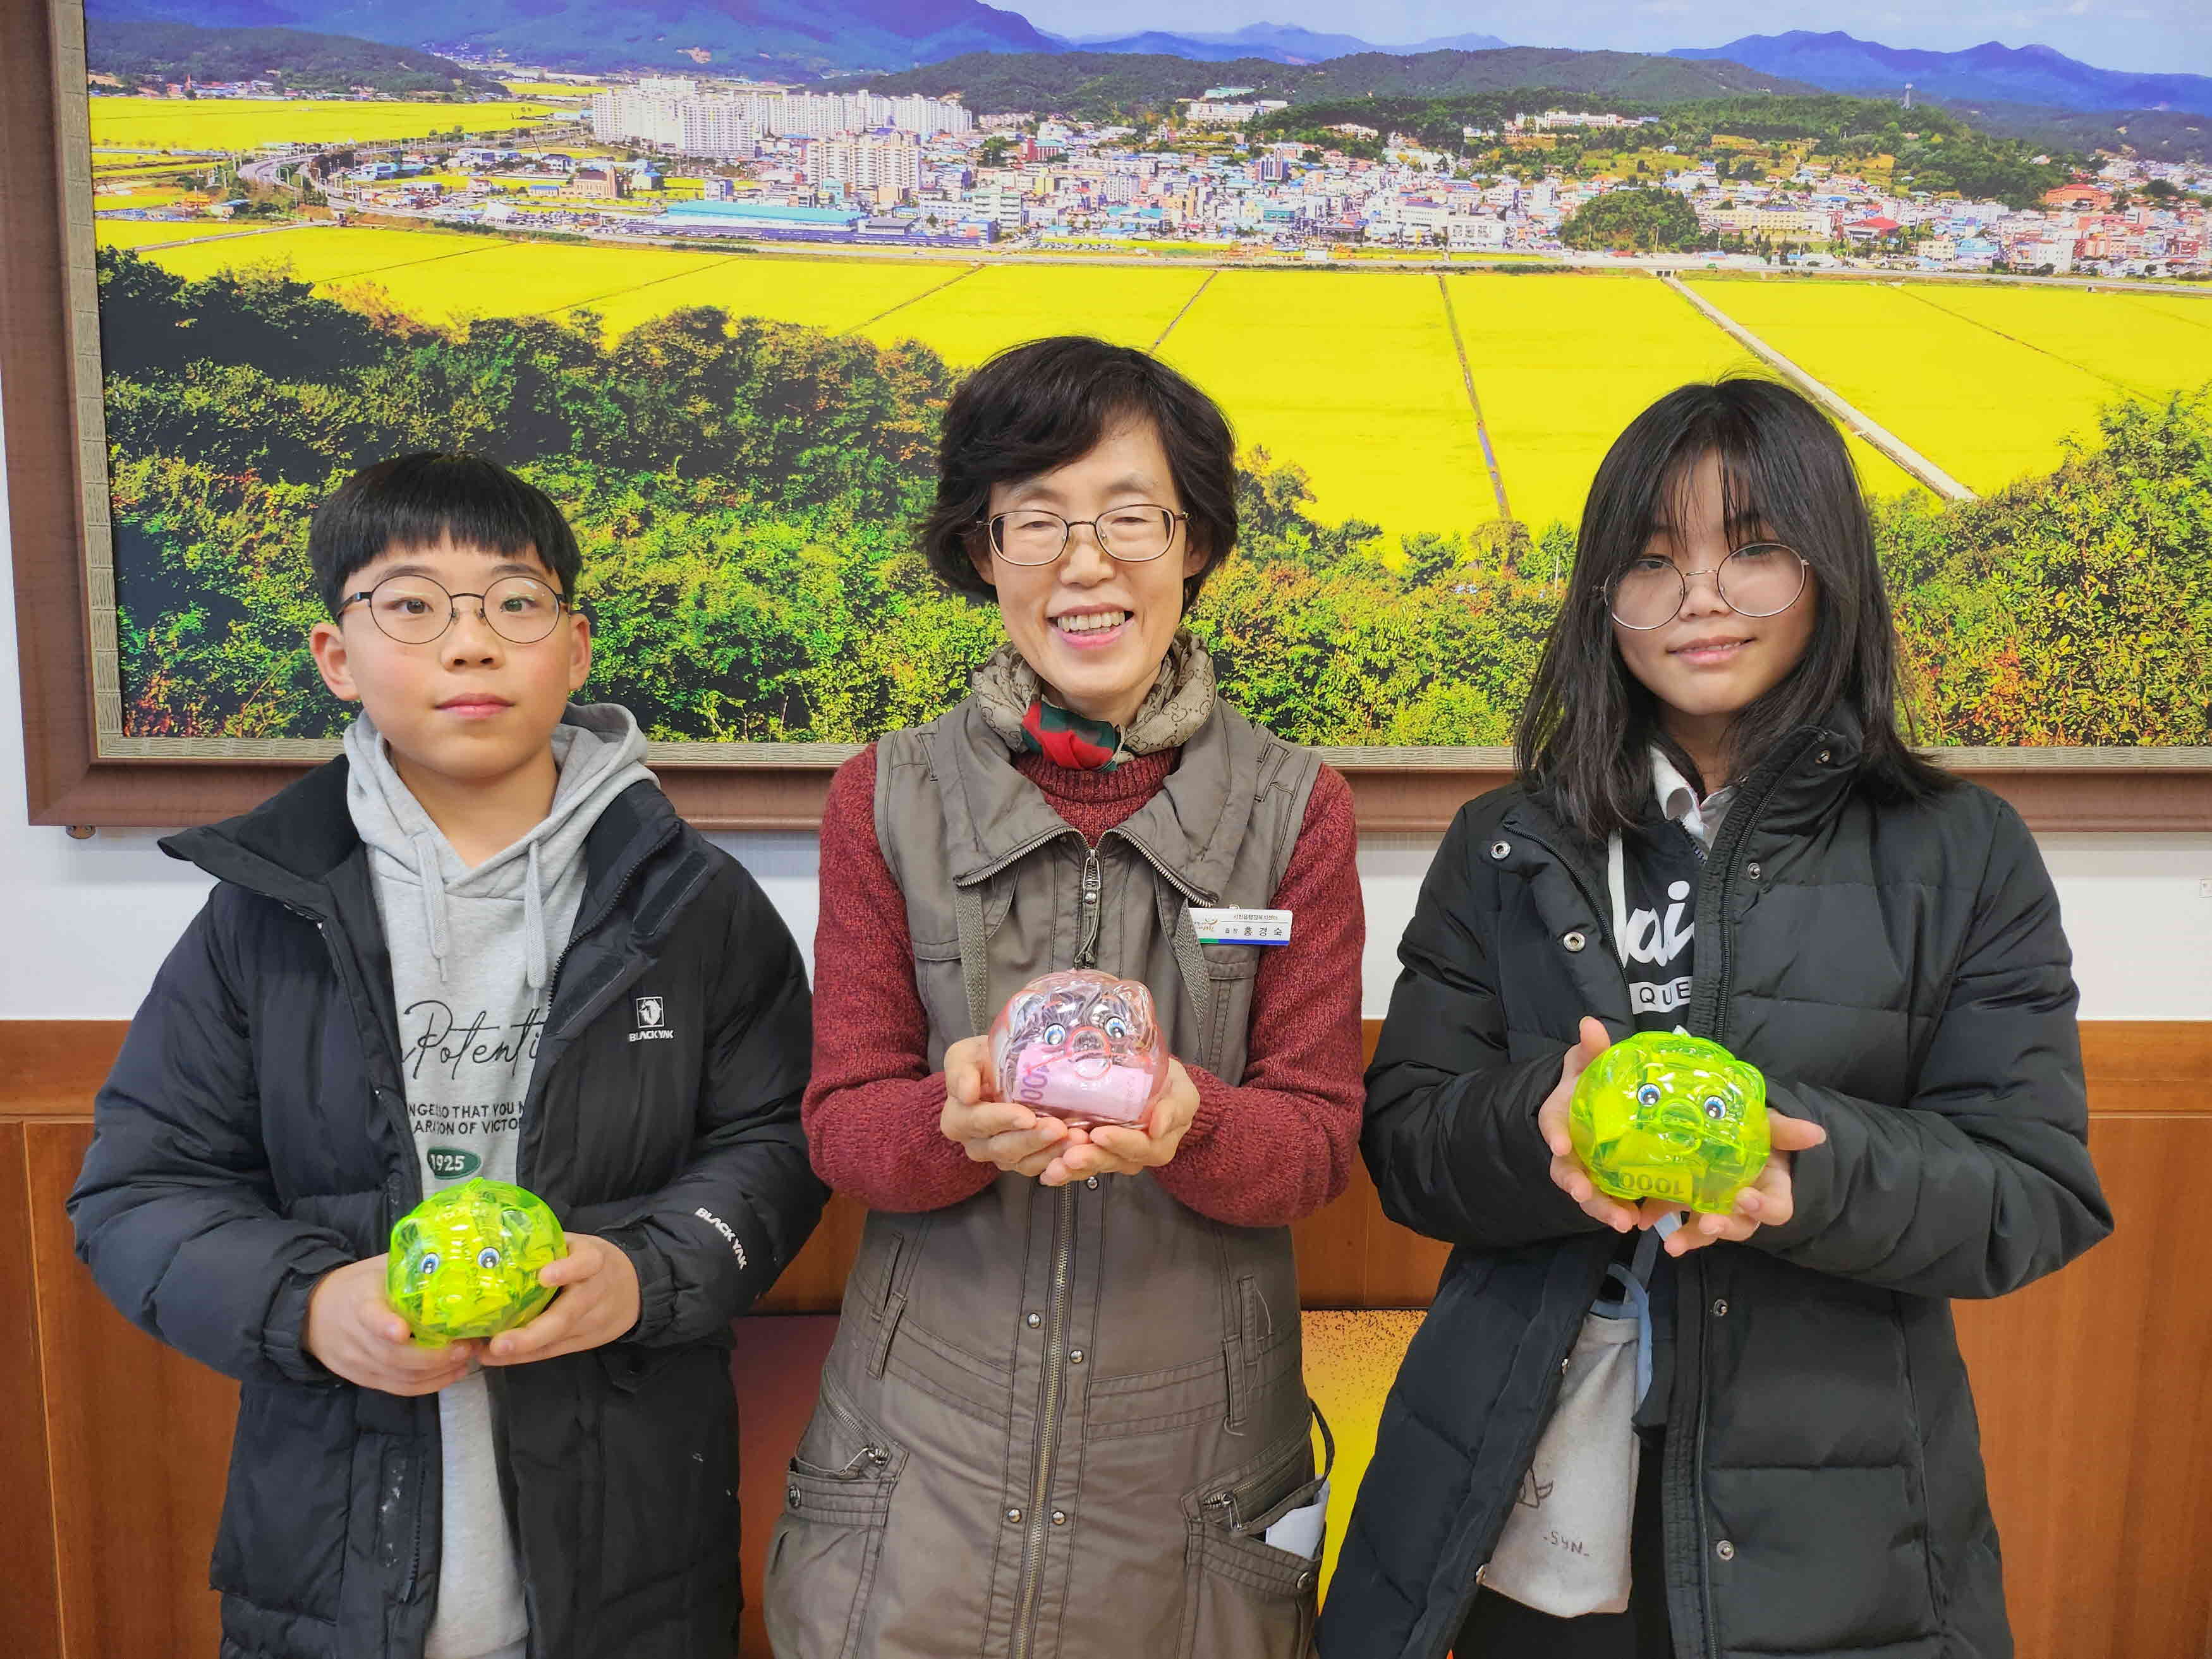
[[599, 1302], [353, 1332]]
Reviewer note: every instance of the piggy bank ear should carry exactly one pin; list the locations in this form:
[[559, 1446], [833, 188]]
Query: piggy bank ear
[[516, 1223], [407, 1237]]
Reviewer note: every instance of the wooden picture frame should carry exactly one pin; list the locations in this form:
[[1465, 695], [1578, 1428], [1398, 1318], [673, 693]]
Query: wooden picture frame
[[50, 398]]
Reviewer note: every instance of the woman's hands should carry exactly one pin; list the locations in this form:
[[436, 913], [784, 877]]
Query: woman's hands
[[1046, 1148], [1768, 1201]]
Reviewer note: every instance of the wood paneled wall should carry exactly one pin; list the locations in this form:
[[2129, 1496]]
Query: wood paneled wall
[[2094, 1386]]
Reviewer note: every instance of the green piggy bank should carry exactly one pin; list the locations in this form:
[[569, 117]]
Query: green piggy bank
[[464, 1261], [1670, 1117]]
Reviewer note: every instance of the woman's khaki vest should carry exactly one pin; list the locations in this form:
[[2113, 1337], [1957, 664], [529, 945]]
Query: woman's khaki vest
[[1056, 1423]]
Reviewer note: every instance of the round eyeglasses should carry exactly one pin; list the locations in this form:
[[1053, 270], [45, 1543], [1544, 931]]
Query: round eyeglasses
[[416, 610], [1761, 580], [1129, 535]]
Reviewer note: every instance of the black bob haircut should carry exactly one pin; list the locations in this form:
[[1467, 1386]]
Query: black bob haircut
[[418, 500], [1786, 476], [1035, 407]]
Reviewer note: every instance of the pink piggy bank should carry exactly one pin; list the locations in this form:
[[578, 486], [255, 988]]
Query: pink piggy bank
[[1081, 1045]]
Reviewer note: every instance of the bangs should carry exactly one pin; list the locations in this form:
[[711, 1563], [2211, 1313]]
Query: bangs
[[414, 502]]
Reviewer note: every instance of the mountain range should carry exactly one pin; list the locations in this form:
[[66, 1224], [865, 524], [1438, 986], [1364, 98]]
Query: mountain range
[[833, 36], [671, 35], [1990, 72], [1279, 43]]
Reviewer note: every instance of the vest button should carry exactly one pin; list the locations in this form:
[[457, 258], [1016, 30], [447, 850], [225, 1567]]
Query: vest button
[[1499, 849], [1013, 1518], [1033, 1320], [1092, 1183], [1574, 941], [1060, 1517], [1305, 1581], [1725, 1550], [1075, 1356]]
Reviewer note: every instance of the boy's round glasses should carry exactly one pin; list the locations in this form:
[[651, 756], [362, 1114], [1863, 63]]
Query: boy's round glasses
[[1129, 535], [416, 610], [1761, 580]]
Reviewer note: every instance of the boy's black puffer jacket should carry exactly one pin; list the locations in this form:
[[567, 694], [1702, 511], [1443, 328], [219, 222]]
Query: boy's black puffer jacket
[[1899, 973], [253, 1136]]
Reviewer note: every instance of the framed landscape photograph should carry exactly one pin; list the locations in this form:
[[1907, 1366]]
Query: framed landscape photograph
[[712, 295]]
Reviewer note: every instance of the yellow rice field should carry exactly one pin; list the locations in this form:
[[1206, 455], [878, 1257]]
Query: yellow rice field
[[243, 124], [989, 309], [142, 232], [1353, 378], [1351, 373], [1984, 381]]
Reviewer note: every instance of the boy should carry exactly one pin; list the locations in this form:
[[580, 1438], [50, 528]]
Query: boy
[[480, 943]]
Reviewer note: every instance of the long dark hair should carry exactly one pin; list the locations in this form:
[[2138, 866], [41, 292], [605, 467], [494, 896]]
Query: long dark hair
[[1589, 722]]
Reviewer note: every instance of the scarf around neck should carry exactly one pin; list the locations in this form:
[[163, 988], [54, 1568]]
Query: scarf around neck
[[1016, 706]]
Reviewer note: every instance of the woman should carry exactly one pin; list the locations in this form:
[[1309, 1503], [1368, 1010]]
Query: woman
[[1064, 1408], [1712, 739]]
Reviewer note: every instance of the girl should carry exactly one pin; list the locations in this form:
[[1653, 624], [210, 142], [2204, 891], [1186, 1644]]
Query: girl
[[1064, 1413], [1713, 735]]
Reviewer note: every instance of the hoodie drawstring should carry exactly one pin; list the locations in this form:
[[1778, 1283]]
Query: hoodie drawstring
[[535, 969], [429, 868]]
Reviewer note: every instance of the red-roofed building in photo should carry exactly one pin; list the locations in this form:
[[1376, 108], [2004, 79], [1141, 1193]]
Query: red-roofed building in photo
[[2081, 194], [1871, 230]]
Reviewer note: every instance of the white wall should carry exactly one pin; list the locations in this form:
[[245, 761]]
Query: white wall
[[83, 925]]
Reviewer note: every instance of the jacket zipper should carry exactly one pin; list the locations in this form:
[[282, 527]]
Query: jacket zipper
[[1055, 1378], [410, 1179], [1086, 947]]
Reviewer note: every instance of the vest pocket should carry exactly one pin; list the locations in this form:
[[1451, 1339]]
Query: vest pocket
[[1245, 1599], [823, 1557]]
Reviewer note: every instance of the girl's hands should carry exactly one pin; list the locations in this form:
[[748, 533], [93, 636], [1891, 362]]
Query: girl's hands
[[1567, 1172], [1767, 1202], [990, 1131]]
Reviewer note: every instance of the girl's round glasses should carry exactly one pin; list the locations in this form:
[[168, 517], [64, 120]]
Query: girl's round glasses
[[1761, 580]]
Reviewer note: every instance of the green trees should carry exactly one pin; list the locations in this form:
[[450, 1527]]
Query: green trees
[[1635, 219]]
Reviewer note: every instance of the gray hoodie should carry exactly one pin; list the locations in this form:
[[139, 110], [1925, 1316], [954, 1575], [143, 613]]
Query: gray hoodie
[[472, 958]]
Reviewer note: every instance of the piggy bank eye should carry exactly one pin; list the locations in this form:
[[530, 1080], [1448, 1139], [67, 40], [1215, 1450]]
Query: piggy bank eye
[[487, 1257], [1056, 1033], [1715, 1107], [1648, 1095], [1116, 1027], [429, 1263]]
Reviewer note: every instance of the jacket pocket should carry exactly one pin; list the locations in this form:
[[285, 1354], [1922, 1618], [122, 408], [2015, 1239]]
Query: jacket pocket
[[1245, 1599], [822, 1556]]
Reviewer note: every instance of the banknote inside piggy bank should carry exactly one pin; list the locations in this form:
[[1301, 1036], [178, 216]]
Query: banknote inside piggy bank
[[1670, 1117], [464, 1261], [1081, 1045]]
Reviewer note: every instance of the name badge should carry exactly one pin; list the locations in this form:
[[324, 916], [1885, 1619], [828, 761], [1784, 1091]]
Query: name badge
[[1242, 927]]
